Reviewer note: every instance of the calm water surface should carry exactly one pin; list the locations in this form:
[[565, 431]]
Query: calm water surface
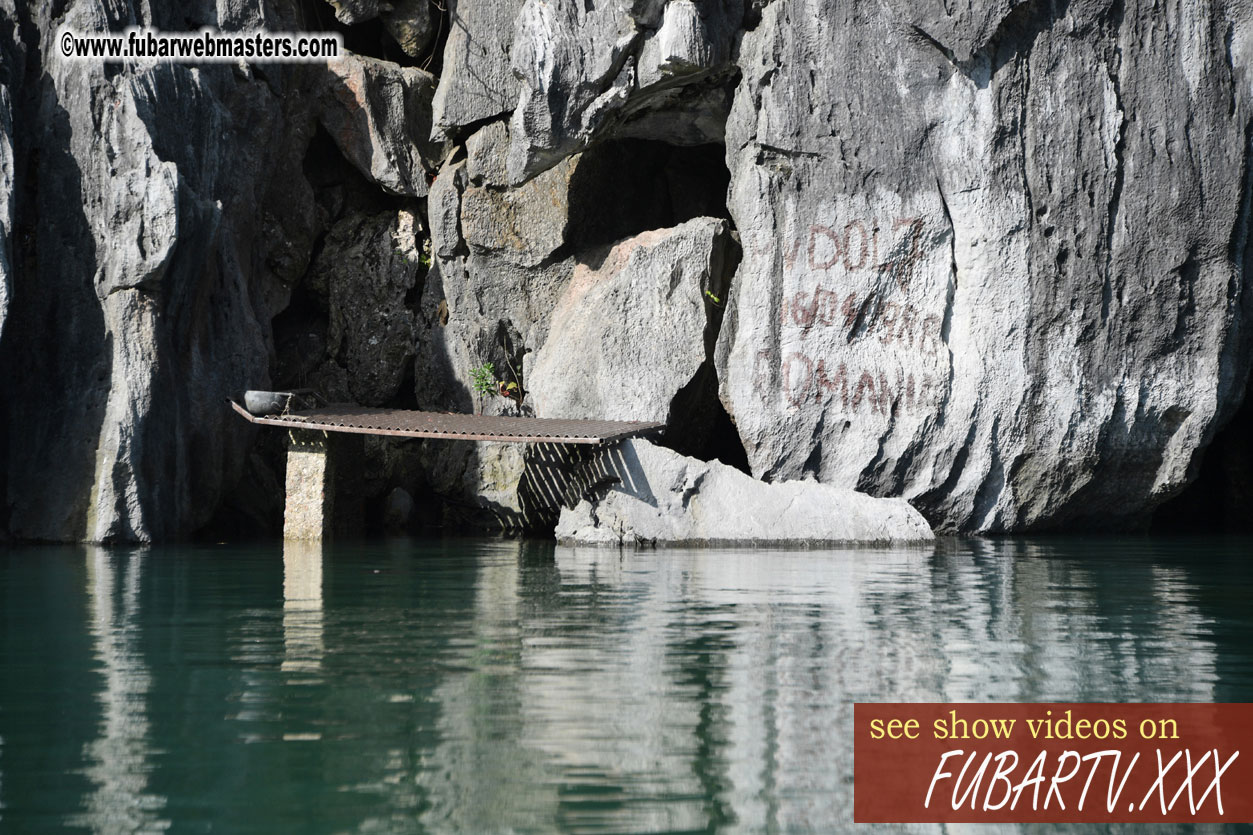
[[485, 686]]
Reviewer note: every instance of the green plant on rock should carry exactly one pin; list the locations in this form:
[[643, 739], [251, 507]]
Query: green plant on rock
[[483, 379]]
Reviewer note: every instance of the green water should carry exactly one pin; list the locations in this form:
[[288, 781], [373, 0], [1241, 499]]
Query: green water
[[485, 686]]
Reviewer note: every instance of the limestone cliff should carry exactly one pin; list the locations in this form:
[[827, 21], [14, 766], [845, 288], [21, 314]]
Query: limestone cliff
[[996, 259], [989, 256], [159, 211]]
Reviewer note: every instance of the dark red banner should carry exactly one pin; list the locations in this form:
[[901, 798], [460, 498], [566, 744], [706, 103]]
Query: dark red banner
[[1056, 763]]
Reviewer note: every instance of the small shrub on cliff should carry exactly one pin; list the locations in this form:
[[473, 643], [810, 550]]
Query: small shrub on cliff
[[483, 379], [484, 382]]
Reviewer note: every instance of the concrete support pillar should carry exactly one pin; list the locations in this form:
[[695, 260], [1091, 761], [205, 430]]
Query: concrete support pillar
[[308, 513]]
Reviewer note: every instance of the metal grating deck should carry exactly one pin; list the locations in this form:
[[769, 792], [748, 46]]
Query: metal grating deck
[[409, 424]]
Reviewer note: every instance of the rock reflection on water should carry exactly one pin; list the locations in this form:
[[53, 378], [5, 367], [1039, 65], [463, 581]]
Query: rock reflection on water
[[693, 690], [119, 758], [487, 686]]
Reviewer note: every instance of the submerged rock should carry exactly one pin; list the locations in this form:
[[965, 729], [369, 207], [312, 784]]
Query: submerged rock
[[657, 497]]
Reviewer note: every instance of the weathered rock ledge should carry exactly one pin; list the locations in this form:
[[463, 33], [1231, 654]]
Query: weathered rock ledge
[[663, 498]]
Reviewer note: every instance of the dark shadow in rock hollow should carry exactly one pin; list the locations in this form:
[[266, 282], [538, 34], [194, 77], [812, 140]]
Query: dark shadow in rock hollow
[[371, 38], [628, 186], [1220, 500], [698, 424]]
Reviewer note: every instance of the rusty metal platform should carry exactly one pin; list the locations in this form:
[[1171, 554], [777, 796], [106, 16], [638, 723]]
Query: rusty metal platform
[[404, 423]]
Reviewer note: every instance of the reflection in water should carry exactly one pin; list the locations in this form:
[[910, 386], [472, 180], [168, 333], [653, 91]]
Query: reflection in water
[[504, 765], [303, 646], [493, 686], [690, 690], [119, 758]]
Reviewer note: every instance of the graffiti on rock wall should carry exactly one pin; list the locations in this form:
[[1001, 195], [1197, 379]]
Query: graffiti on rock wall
[[859, 333], [890, 322], [806, 380], [859, 245]]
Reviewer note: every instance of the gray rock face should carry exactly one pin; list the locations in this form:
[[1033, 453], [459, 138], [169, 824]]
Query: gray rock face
[[527, 277], [477, 83], [11, 61], [379, 114], [995, 260], [663, 498], [576, 67], [497, 312], [690, 39], [367, 267], [485, 155], [572, 73], [496, 277], [444, 209], [163, 212], [355, 11], [523, 225], [623, 68], [628, 333], [995, 256]]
